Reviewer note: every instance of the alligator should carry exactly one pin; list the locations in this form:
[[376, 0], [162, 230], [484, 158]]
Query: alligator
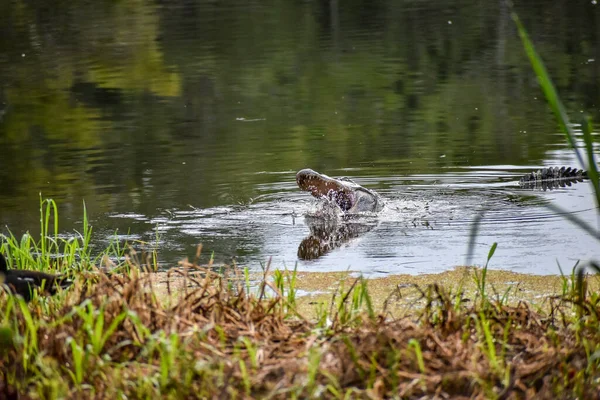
[[329, 229], [352, 198], [349, 196], [553, 177]]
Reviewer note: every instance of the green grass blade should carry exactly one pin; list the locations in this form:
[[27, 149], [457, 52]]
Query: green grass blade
[[491, 253], [418, 354], [472, 237], [575, 220], [592, 168], [547, 85]]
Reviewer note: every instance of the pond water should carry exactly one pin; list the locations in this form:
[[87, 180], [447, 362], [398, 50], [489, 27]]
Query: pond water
[[183, 122]]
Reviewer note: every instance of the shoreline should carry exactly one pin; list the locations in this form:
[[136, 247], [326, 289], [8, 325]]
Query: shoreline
[[402, 294]]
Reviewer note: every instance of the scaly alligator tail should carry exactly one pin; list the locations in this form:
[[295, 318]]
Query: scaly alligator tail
[[549, 178]]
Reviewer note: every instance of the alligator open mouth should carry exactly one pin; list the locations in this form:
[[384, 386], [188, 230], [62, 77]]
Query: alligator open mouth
[[322, 186]]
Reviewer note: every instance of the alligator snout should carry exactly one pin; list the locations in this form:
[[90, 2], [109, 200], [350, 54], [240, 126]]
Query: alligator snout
[[322, 186], [317, 184], [306, 179], [349, 196]]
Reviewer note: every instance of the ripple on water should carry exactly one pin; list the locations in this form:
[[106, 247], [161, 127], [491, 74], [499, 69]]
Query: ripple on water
[[425, 226]]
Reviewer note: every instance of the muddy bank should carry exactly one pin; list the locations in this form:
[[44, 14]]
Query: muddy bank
[[401, 295]]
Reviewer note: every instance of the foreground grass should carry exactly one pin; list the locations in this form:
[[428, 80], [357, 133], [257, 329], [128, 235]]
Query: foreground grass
[[114, 337]]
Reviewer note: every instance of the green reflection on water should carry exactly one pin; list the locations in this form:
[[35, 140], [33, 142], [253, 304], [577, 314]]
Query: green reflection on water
[[135, 105]]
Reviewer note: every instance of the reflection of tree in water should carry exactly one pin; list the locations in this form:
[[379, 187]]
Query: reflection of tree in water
[[70, 76], [147, 82]]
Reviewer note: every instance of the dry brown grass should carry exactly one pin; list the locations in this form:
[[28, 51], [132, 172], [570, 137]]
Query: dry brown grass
[[216, 340]]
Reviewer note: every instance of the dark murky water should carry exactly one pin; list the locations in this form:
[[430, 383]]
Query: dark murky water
[[184, 122]]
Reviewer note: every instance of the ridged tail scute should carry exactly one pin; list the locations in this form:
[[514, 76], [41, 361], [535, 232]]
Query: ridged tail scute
[[553, 177]]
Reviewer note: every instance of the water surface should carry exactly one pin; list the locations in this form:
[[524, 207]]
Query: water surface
[[189, 120]]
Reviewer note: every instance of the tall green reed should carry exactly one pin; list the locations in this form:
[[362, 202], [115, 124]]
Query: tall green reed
[[558, 108], [566, 126], [563, 120]]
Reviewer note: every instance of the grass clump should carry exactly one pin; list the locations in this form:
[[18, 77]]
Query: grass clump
[[116, 336]]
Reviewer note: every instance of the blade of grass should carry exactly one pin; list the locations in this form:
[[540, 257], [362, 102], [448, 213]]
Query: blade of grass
[[575, 220], [546, 83], [592, 170], [472, 237]]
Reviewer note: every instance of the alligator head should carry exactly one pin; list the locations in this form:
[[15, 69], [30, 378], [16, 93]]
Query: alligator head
[[349, 196]]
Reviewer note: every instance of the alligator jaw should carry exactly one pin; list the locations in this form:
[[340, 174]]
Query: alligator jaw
[[322, 186]]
